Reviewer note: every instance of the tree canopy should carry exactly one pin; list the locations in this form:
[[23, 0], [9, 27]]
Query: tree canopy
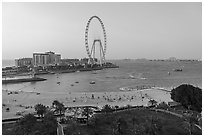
[[87, 111], [189, 96], [107, 108], [26, 124], [59, 107], [29, 125], [40, 109]]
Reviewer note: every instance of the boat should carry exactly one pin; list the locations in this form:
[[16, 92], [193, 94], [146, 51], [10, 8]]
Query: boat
[[122, 89], [58, 82], [132, 77], [77, 82], [126, 89], [178, 70], [143, 78], [92, 82]]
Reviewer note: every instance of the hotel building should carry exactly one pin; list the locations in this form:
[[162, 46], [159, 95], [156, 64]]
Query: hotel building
[[23, 62], [46, 59]]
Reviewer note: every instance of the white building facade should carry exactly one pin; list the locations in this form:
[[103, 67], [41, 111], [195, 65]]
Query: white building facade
[[23, 62], [46, 59]]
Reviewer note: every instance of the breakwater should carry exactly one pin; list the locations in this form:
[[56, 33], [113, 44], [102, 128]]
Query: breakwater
[[34, 79]]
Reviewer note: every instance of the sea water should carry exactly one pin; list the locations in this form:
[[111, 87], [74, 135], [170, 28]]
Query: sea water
[[130, 74], [8, 63]]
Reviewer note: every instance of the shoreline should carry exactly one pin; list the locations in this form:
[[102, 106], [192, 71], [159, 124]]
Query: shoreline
[[60, 71]]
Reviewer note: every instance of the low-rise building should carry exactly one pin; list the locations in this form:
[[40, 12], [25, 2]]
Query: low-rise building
[[9, 70], [173, 104], [69, 61], [23, 62]]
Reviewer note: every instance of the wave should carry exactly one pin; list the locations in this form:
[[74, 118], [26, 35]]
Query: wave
[[139, 87], [129, 76]]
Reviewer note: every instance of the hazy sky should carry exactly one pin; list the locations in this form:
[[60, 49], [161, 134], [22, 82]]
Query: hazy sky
[[134, 30]]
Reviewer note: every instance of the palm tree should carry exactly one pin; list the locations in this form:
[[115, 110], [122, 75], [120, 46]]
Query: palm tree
[[152, 102], [190, 121], [162, 105], [41, 109], [59, 107], [87, 111], [107, 108], [55, 103]]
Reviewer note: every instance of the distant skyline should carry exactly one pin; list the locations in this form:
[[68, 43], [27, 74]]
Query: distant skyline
[[134, 30]]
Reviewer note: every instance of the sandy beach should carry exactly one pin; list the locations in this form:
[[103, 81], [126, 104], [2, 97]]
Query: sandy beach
[[22, 101]]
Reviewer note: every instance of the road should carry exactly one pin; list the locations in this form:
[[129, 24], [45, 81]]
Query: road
[[198, 127], [166, 111], [60, 130]]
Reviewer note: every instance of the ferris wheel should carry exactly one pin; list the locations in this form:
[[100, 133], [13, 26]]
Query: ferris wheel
[[91, 50]]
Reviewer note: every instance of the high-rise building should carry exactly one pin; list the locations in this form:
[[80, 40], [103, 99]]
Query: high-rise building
[[57, 58], [40, 59], [46, 59]]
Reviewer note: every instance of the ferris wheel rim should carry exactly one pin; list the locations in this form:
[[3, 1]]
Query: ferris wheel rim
[[86, 35]]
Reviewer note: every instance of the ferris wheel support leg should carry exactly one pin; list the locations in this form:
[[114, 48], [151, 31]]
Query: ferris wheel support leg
[[91, 49], [103, 54], [94, 54], [100, 55], [91, 59]]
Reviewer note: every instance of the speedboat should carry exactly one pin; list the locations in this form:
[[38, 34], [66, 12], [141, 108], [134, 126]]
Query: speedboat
[[92, 82], [122, 89], [132, 77], [178, 70]]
